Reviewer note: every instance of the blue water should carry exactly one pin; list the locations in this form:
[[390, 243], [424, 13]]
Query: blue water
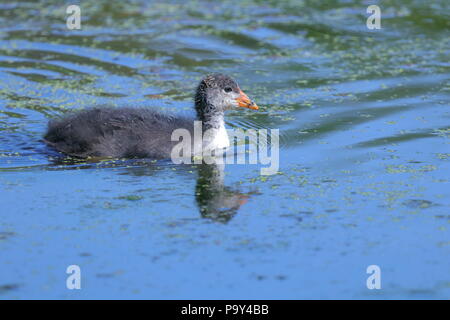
[[364, 158]]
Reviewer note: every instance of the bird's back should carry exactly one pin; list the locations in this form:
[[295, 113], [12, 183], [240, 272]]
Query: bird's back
[[116, 132]]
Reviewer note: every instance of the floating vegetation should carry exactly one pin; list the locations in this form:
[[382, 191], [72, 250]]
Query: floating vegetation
[[364, 149], [131, 197], [418, 204]]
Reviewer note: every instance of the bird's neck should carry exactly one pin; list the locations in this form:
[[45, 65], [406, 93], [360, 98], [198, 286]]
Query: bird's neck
[[210, 116], [213, 126], [216, 137]]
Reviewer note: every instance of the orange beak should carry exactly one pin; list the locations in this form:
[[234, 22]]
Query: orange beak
[[244, 101]]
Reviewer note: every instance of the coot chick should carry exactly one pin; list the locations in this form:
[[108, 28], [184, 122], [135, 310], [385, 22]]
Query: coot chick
[[145, 133]]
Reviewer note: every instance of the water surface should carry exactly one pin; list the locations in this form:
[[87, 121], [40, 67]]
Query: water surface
[[364, 159]]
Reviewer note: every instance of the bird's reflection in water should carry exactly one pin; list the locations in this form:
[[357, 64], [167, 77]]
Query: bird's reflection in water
[[215, 200]]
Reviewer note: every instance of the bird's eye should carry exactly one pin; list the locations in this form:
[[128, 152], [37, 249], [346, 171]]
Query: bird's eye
[[228, 89]]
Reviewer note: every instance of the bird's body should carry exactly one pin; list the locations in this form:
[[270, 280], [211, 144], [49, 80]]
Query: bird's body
[[116, 132], [142, 132]]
